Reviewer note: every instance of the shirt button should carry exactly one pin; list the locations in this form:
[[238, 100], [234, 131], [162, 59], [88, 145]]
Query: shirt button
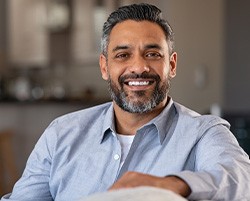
[[116, 157]]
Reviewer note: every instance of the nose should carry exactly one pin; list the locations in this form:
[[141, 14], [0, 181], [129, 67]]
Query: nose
[[139, 65]]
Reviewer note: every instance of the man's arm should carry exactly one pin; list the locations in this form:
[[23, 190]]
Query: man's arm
[[221, 171], [222, 168], [34, 183], [135, 179]]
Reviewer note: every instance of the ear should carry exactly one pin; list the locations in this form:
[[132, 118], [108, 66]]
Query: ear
[[103, 66], [173, 65]]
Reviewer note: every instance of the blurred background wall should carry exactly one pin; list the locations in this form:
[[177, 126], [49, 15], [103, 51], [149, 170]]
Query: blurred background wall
[[49, 62]]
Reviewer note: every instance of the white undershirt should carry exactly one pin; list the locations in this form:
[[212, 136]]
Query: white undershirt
[[126, 142]]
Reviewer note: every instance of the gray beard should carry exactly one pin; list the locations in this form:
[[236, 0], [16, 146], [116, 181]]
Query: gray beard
[[144, 105]]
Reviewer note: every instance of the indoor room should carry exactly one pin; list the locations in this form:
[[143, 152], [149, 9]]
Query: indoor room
[[49, 66]]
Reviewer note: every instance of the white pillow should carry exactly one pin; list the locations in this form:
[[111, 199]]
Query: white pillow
[[136, 194]]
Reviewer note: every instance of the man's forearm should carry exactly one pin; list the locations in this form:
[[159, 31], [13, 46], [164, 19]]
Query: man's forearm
[[135, 179], [176, 185]]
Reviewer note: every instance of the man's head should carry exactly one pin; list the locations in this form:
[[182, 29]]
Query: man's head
[[137, 12], [137, 58]]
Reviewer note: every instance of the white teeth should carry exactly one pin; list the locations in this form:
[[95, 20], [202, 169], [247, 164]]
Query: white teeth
[[137, 83]]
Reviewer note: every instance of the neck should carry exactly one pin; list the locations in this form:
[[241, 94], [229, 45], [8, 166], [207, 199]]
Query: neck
[[128, 123]]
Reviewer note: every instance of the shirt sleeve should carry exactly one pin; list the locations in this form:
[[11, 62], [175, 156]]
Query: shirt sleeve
[[222, 168], [34, 183]]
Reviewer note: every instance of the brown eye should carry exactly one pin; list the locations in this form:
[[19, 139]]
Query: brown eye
[[153, 55], [122, 56]]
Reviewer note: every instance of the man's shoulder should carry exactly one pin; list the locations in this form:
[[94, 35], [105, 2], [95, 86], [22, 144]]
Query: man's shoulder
[[94, 109], [87, 114], [191, 117], [72, 128]]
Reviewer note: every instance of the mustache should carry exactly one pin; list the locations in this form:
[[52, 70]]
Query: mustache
[[143, 75]]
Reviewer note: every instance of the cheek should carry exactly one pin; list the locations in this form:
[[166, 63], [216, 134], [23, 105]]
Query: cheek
[[167, 72], [114, 72], [163, 73], [113, 77]]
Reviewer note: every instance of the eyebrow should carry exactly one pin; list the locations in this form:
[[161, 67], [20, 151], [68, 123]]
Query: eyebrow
[[124, 47], [120, 47], [153, 46]]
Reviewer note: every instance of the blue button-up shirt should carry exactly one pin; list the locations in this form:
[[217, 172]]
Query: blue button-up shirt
[[79, 154]]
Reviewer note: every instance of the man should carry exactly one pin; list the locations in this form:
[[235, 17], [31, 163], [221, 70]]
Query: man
[[142, 138]]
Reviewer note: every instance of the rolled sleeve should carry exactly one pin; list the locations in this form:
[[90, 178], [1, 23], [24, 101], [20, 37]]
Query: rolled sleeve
[[221, 168]]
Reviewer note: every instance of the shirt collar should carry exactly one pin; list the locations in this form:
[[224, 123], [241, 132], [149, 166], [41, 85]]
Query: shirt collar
[[108, 123], [162, 122]]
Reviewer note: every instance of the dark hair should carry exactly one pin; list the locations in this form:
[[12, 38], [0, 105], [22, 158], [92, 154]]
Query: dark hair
[[137, 12]]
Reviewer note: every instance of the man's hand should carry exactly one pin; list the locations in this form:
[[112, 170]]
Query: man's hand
[[135, 179]]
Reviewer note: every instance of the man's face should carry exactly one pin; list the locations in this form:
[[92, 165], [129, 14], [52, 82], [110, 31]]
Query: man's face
[[138, 67]]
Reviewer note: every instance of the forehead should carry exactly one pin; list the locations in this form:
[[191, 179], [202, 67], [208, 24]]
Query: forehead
[[137, 32]]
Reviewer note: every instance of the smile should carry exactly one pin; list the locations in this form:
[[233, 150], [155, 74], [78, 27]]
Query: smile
[[138, 83]]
